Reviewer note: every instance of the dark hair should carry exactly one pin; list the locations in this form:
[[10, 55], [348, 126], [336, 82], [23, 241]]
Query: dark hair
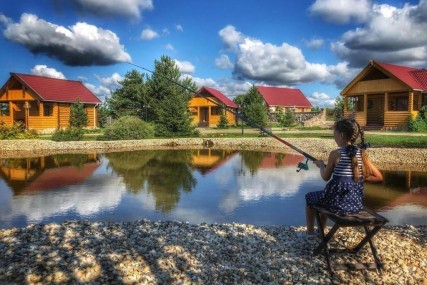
[[351, 129]]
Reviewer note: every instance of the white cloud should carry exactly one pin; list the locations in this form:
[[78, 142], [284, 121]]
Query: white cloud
[[126, 8], [43, 70], [79, 45], [149, 34], [107, 85], [169, 47], [321, 99], [165, 31], [230, 37], [341, 11], [276, 65], [185, 67], [315, 43], [390, 34], [179, 28], [223, 62]]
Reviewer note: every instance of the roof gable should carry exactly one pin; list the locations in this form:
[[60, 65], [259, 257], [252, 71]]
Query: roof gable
[[57, 90], [218, 95], [405, 74], [279, 96]]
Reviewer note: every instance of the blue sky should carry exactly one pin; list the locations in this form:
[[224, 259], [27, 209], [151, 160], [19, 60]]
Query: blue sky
[[317, 46]]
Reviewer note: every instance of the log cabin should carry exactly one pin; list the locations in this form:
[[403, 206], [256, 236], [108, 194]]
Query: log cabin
[[206, 113], [385, 96], [43, 103]]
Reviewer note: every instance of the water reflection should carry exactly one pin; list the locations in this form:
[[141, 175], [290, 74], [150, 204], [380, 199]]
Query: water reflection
[[206, 185]]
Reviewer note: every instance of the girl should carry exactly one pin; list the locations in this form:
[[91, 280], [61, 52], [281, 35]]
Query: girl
[[350, 166]]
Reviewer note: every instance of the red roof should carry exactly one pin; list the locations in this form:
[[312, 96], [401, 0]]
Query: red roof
[[218, 95], [286, 97], [414, 78], [57, 90]]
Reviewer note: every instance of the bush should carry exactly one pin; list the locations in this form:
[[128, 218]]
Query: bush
[[128, 128], [69, 134], [419, 124], [17, 131]]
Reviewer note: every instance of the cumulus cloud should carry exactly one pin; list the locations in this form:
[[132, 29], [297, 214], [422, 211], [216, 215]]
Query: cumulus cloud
[[341, 11], [278, 65], [223, 62], [231, 37], [179, 28], [315, 43], [321, 99], [79, 45], [390, 34], [107, 85], [149, 34], [185, 67], [125, 8], [43, 70]]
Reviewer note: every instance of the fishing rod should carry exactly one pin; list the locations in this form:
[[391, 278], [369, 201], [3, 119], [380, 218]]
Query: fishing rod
[[300, 166]]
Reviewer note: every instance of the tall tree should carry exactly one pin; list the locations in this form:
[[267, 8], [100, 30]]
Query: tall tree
[[169, 101], [131, 98], [254, 108]]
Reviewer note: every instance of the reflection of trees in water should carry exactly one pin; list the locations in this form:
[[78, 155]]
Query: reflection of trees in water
[[163, 173], [252, 160], [76, 160], [279, 159]]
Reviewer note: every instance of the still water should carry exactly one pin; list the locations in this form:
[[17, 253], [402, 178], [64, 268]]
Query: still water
[[207, 185]]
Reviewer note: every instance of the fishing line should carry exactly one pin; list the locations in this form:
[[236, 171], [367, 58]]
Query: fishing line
[[301, 165]]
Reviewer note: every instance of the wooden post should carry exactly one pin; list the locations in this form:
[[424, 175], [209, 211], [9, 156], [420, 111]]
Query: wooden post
[[365, 108], [411, 102]]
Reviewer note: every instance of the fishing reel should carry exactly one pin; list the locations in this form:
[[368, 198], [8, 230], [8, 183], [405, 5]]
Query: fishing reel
[[302, 166]]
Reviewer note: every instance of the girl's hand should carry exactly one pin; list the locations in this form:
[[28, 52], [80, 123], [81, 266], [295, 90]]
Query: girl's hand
[[319, 163]]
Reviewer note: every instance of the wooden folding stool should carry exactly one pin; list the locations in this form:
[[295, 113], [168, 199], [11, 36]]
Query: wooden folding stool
[[368, 219]]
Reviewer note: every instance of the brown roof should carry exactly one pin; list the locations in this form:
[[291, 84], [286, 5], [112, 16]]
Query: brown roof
[[286, 97], [56, 90]]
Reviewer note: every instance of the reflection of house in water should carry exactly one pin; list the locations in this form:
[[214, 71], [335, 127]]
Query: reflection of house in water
[[275, 160], [399, 188], [207, 160], [24, 175]]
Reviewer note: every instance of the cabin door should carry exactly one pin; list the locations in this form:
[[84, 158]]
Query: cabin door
[[204, 117], [375, 114]]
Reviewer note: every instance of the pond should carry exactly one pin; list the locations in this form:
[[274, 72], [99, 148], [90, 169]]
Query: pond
[[206, 185]]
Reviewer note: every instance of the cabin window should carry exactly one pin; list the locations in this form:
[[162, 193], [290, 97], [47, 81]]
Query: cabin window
[[48, 110], [355, 104], [4, 109], [215, 111], [34, 109], [424, 102], [416, 105], [398, 102]]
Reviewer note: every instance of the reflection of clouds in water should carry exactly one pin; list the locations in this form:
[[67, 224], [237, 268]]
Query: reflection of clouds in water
[[105, 193], [406, 214], [226, 172], [283, 182], [5, 197], [147, 200]]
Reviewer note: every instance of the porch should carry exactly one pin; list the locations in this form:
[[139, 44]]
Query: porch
[[384, 110]]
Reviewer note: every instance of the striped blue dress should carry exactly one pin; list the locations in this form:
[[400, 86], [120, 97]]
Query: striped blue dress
[[342, 194]]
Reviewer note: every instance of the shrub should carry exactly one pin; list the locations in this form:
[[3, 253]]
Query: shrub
[[128, 128], [69, 134], [17, 131], [419, 124], [78, 115]]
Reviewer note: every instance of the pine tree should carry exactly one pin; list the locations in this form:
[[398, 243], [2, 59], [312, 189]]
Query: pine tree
[[254, 108], [169, 102], [131, 98], [223, 120]]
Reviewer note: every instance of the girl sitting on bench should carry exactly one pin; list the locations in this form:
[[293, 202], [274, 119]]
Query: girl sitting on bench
[[349, 166]]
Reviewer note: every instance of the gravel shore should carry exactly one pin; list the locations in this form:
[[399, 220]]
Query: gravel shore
[[148, 252]]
